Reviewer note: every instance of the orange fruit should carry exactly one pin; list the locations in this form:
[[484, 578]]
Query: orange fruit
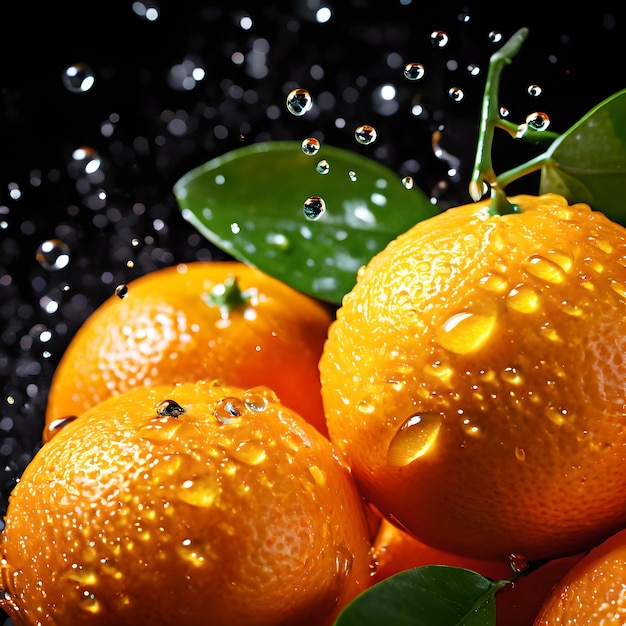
[[592, 591], [195, 503], [474, 379], [218, 319], [517, 603]]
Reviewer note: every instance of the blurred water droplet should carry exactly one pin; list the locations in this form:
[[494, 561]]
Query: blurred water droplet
[[496, 283], [85, 162], [538, 120], [194, 552], [414, 438], [121, 291], [534, 90], [310, 146], [147, 10], [504, 112], [544, 268], [299, 101], [408, 182], [323, 167], [495, 36], [473, 69], [78, 78], [518, 562], [314, 207], [250, 452], [200, 491], [365, 134], [169, 408], [414, 71], [53, 254], [89, 603], [439, 38], [523, 299], [344, 560], [229, 409], [465, 332], [520, 454], [352, 175]]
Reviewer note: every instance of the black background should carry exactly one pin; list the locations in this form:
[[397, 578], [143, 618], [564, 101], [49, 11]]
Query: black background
[[577, 59]]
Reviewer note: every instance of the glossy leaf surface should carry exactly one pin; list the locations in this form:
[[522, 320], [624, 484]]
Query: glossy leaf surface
[[249, 202], [425, 596], [588, 162]]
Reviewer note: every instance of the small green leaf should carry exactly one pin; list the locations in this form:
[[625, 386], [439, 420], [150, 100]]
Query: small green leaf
[[249, 202], [588, 162], [425, 596]]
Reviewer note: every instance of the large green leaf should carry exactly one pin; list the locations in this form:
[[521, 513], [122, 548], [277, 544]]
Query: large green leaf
[[249, 202], [588, 162], [425, 596]]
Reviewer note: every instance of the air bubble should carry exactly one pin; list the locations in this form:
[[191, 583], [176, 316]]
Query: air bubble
[[322, 167], [53, 254], [414, 438], [299, 101], [439, 38], [314, 207], [78, 78], [414, 71], [310, 146], [538, 121], [169, 408], [365, 134]]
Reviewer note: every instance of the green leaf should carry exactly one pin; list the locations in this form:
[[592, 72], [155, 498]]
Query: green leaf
[[249, 202], [425, 596], [588, 162]]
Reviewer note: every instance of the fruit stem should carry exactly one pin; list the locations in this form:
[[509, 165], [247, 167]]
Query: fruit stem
[[483, 172], [227, 296]]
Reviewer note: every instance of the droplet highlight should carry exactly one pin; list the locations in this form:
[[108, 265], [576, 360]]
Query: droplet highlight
[[465, 332]]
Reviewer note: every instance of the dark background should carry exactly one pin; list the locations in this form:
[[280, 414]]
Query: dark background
[[149, 130]]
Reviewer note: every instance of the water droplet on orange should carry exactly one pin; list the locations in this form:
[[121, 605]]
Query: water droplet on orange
[[414, 438], [200, 491], [523, 299], [465, 332], [495, 283], [520, 454], [545, 269], [250, 452]]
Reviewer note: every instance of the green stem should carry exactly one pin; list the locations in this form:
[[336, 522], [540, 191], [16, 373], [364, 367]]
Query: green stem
[[530, 135], [529, 167], [227, 296], [483, 171]]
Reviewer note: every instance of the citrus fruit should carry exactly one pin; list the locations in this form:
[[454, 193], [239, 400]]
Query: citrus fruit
[[474, 379], [592, 591], [517, 603], [195, 503], [218, 319]]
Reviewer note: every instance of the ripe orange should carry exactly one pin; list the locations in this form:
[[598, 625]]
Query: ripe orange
[[474, 379], [223, 320], [592, 591], [185, 504], [517, 603]]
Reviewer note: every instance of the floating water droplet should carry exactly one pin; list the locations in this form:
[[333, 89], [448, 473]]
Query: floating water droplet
[[229, 409], [414, 71], [78, 78], [473, 69], [439, 38], [523, 299], [504, 112], [414, 438], [314, 207], [57, 425], [352, 175], [169, 408], [323, 167], [465, 332], [365, 134], [408, 182], [299, 101], [495, 36], [310, 146], [121, 291], [534, 90], [53, 254], [538, 120], [456, 94]]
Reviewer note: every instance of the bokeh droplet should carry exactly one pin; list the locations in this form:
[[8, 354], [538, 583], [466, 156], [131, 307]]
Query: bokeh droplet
[[299, 101], [78, 78], [53, 254]]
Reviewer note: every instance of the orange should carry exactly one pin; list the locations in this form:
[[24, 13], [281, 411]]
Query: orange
[[517, 603], [185, 504], [220, 319], [474, 379], [592, 591]]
